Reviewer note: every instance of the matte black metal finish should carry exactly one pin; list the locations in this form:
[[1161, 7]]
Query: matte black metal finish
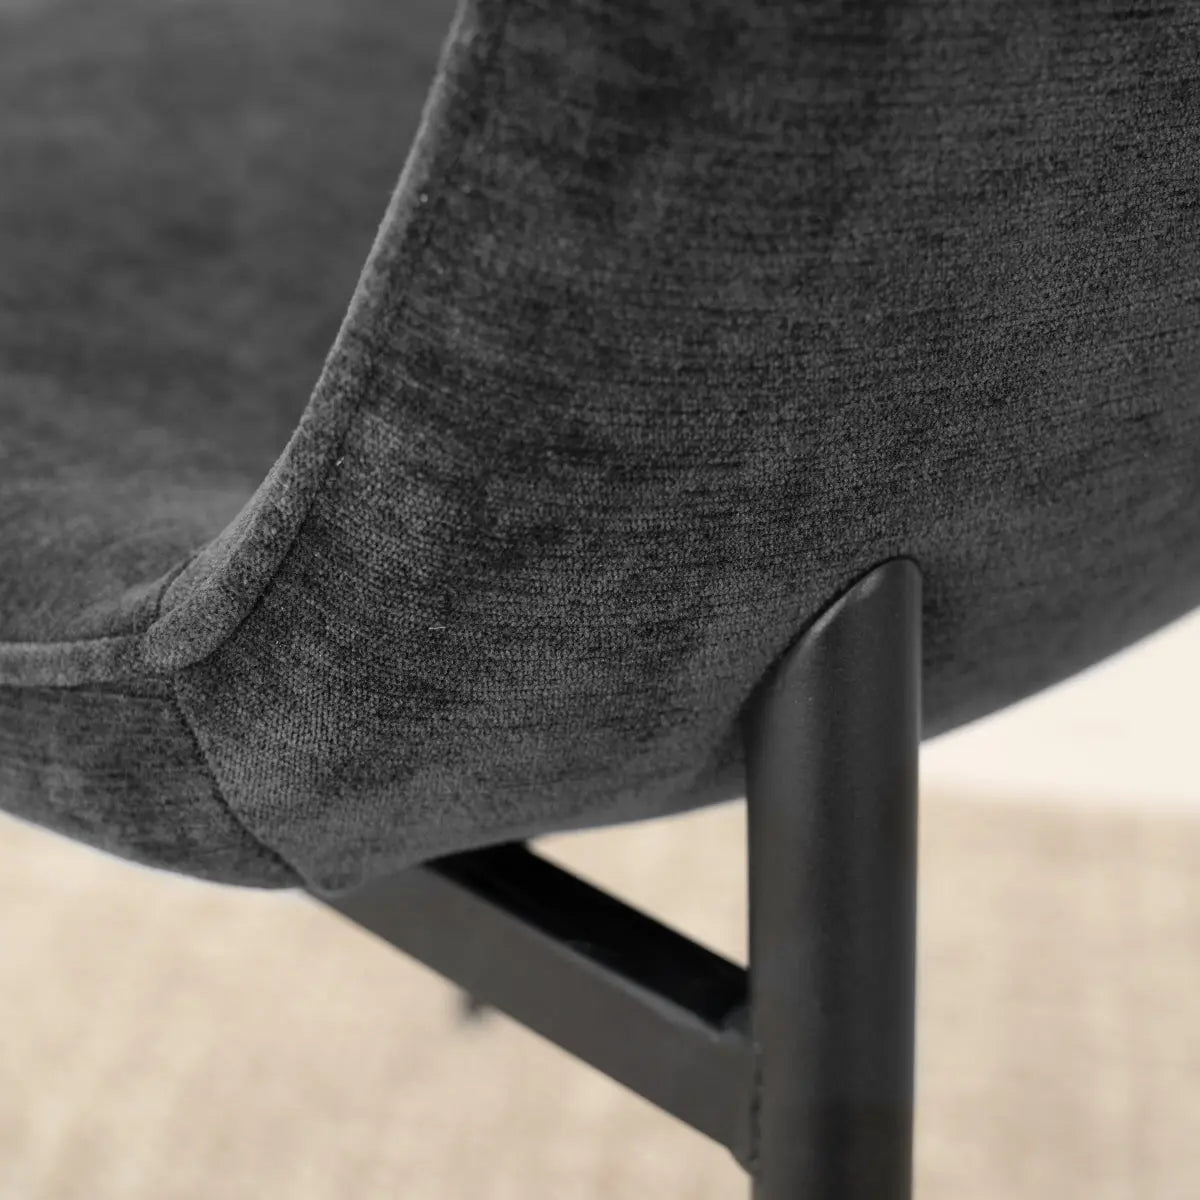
[[639, 1001], [832, 741], [803, 1067]]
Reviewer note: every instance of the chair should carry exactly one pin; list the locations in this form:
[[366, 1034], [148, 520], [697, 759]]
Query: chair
[[732, 396]]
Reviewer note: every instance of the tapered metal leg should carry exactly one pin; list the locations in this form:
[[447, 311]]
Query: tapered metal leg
[[832, 739]]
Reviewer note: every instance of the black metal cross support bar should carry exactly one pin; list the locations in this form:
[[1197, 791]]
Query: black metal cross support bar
[[804, 1066], [640, 1002]]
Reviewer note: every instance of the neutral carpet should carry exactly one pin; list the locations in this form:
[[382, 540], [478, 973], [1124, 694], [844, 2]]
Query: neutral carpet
[[166, 1039]]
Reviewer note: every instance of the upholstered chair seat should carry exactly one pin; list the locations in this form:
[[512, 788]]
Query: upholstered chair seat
[[420, 429]]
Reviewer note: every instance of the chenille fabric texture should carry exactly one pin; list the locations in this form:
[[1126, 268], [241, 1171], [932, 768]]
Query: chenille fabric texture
[[681, 317]]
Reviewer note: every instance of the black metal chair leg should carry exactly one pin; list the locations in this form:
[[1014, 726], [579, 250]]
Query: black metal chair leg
[[832, 741], [803, 1066]]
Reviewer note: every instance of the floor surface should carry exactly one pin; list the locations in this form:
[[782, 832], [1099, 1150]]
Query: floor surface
[[165, 1039]]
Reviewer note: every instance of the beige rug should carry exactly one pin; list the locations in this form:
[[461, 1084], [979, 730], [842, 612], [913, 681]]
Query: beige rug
[[163, 1039]]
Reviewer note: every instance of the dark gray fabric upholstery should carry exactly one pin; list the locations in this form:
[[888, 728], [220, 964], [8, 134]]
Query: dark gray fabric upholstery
[[116, 767], [187, 196], [681, 316]]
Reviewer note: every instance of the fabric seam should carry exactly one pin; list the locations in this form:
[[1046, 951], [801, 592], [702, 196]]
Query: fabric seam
[[115, 641], [105, 672], [355, 406], [218, 791]]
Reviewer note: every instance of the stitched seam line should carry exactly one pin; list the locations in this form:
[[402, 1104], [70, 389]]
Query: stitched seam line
[[104, 672], [219, 792], [202, 756], [389, 302], [392, 302]]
